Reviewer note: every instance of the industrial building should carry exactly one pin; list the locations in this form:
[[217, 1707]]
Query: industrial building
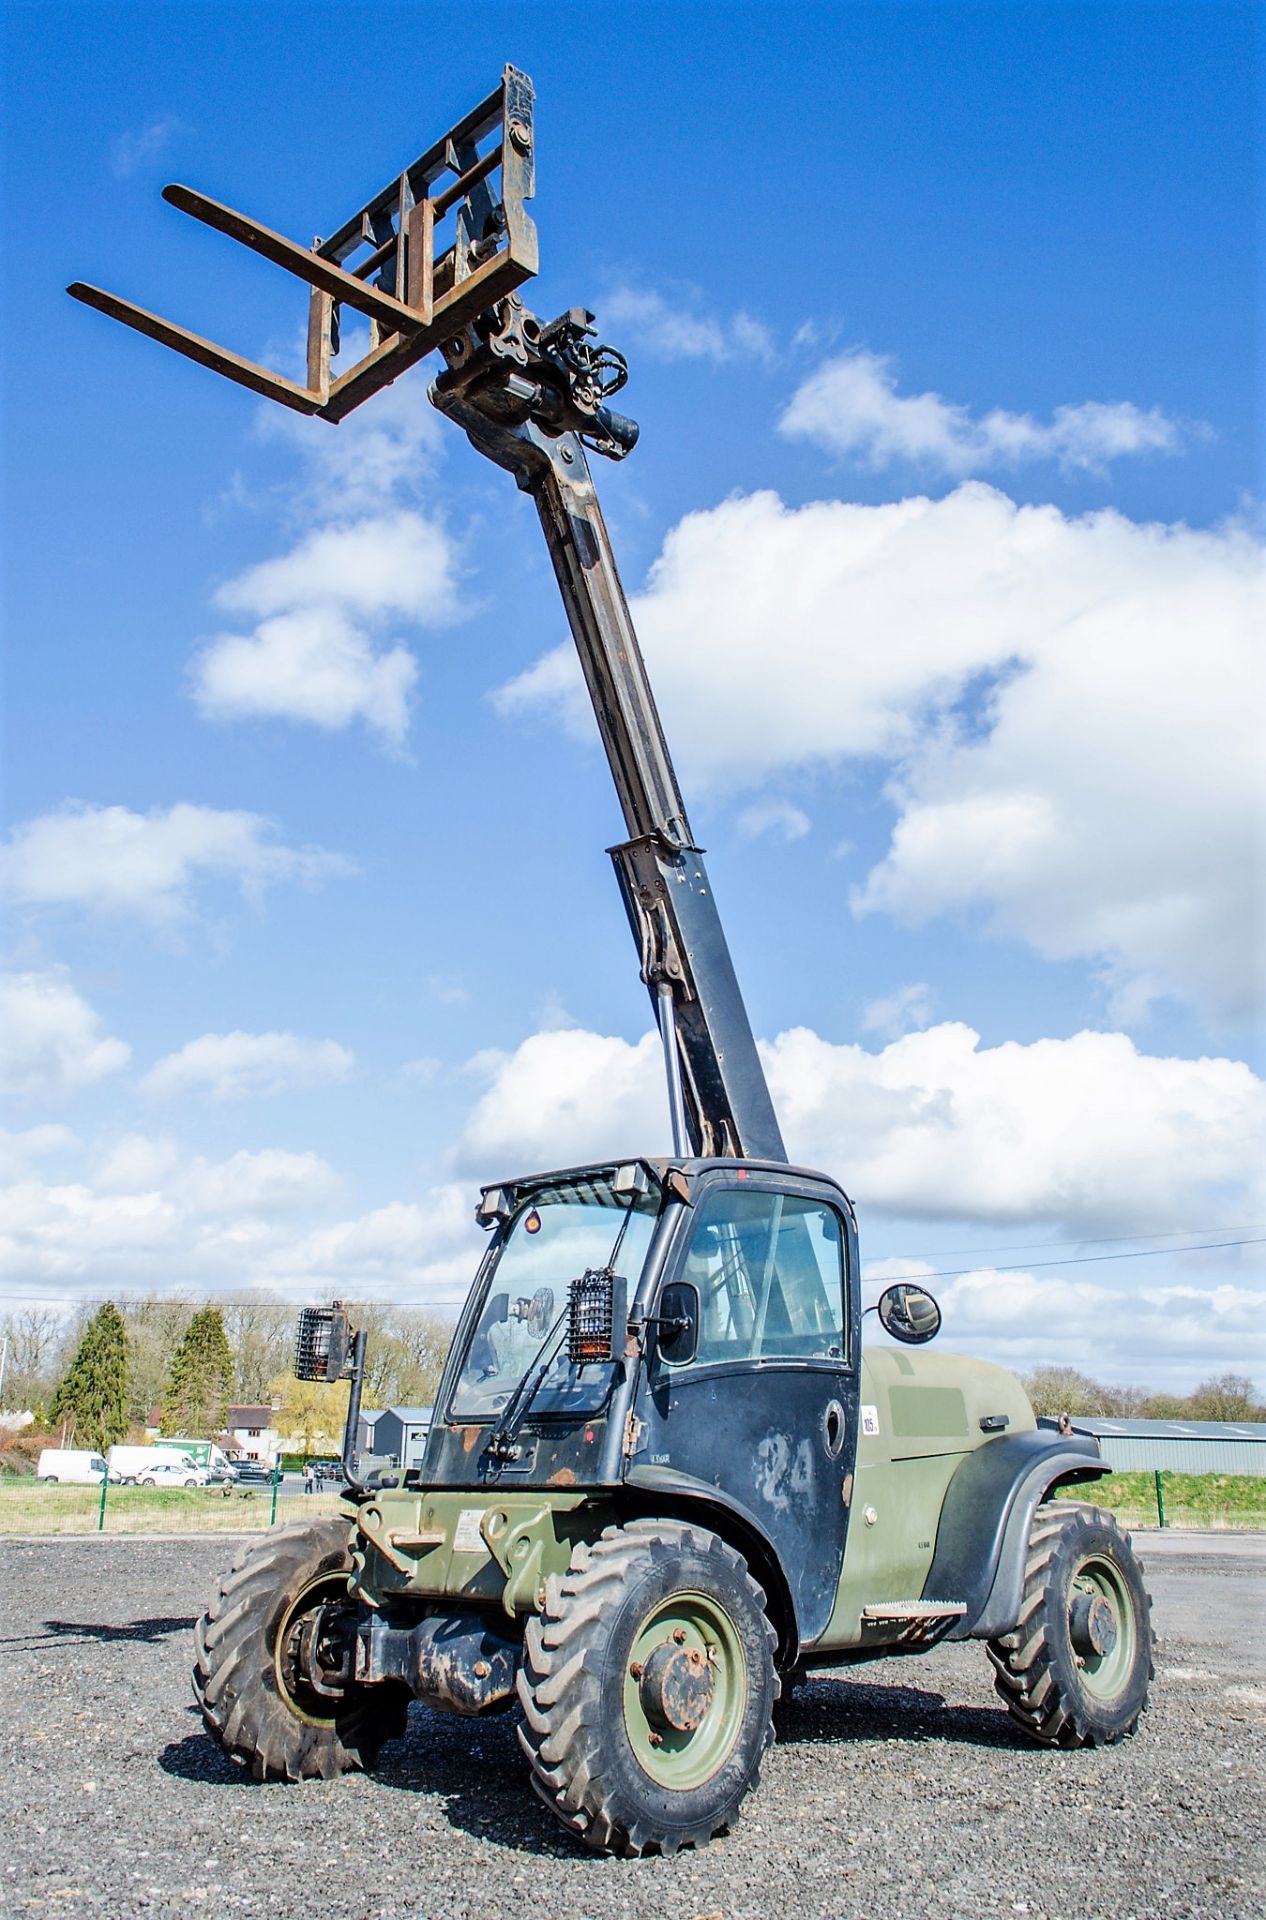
[[400, 1434], [1178, 1446]]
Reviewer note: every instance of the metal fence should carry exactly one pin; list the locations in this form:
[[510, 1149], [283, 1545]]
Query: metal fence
[[38, 1507]]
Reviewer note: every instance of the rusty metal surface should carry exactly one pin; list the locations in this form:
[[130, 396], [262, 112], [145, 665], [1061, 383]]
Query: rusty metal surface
[[675, 1687], [459, 1663], [382, 261]]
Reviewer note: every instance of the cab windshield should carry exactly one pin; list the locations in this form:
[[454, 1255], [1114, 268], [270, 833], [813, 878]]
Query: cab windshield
[[556, 1234]]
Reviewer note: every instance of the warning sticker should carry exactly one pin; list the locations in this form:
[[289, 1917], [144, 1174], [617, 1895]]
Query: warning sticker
[[870, 1422], [468, 1538]]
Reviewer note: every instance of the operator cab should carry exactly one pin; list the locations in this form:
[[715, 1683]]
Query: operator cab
[[666, 1327]]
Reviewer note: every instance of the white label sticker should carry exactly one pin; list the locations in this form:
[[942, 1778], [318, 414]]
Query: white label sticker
[[468, 1538], [870, 1420]]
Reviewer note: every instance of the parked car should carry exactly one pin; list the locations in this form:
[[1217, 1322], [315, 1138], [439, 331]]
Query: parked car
[[328, 1469], [253, 1473], [78, 1466], [134, 1463], [223, 1473], [180, 1473]]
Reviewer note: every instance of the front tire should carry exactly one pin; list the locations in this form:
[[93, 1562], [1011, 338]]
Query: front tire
[[1076, 1669], [647, 1688], [247, 1681]]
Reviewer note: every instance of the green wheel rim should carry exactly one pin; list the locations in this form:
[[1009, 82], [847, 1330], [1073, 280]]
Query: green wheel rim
[[303, 1701], [1106, 1675], [673, 1759]]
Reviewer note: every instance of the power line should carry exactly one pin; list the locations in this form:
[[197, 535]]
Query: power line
[[1084, 1240], [1079, 1260], [261, 1295]]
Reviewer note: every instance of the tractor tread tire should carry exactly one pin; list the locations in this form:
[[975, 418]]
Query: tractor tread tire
[[566, 1729], [1034, 1664], [234, 1675]]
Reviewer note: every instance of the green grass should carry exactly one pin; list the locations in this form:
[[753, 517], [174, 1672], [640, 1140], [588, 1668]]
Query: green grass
[[1207, 1500], [30, 1506]]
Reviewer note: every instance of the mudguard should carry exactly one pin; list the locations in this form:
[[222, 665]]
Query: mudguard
[[985, 1520], [680, 1496]]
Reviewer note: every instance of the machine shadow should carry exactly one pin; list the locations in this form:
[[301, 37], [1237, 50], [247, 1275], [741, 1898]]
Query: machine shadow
[[199, 1757], [150, 1631], [476, 1768], [829, 1708]]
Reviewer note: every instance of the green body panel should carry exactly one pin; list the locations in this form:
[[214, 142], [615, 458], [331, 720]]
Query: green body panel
[[921, 1415], [480, 1549], [924, 1411]]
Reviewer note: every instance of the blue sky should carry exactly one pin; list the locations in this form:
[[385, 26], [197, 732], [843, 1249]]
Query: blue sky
[[941, 531]]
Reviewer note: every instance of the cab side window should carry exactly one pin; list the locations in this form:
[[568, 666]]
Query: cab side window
[[769, 1272]]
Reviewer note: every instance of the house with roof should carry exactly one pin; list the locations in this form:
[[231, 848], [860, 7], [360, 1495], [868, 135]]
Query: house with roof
[[251, 1433]]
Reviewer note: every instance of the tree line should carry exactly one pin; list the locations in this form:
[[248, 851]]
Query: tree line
[[1228, 1396], [102, 1373]]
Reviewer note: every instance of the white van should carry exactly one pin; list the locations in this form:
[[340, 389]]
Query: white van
[[78, 1466], [131, 1464]]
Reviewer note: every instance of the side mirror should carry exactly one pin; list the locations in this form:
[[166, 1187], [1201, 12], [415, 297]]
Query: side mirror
[[909, 1314], [677, 1338], [537, 1314]]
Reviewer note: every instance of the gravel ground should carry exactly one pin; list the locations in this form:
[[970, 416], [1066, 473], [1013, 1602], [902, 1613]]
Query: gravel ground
[[894, 1796]]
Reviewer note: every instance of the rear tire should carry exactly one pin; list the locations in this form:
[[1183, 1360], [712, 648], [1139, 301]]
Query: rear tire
[[647, 1688], [1075, 1671], [252, 1698]]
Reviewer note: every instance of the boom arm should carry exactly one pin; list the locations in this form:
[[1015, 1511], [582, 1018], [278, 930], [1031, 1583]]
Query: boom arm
[[500, 390], [531, 398]]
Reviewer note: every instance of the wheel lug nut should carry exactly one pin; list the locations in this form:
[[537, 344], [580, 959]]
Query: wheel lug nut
[[636, 1670], [655, 1739], [679, 1635]]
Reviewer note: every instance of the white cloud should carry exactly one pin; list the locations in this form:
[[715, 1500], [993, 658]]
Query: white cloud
[[313, 654], [428, 1247], [134, 1162], [397, 563], [447, 990], [564, 1097], [21, 1148], [850, 406], [270, 1182], [51, 1042], [778, 818], [132, 151], [152, 1217], [679, 329], [384, 452], [1071, 708], [553, 684], [117, 861], [900, 1011], [237, 1066], [314, 665], [423, 1071], [1169, 1335], [1087, 1133]]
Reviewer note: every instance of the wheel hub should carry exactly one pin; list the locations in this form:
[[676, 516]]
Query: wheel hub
[[675, 1687], [1093, 1625]]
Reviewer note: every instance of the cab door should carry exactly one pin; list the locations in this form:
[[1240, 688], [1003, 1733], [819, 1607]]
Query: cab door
[[765, 1406]]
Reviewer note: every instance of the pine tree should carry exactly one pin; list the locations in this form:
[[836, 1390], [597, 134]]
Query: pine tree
[[92, 1396], [200, 1380]]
